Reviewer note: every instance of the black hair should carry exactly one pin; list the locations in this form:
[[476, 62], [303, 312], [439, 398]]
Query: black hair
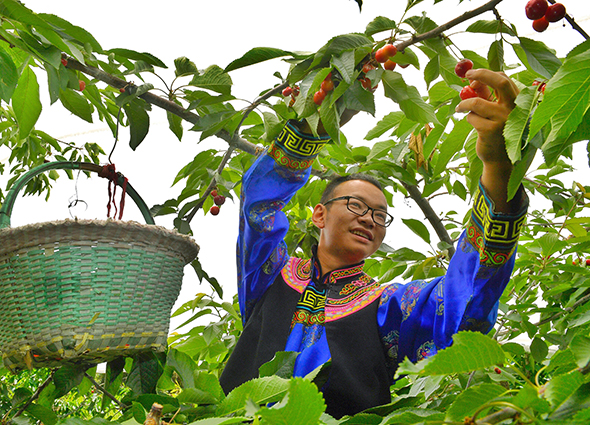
[[338, 180]]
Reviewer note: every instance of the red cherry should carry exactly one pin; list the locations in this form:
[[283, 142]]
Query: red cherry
[[555, 12], [535, 9], [214, 210], [462, 67], [498, 370], [319, 96], [540, 24], [327, 85], [588, 262], [214, 193], [467, 93], [389, 65], [381, 56], [366, 83], [368, 67], [295, 91], [82, 85], [219, 200], [122, 90], [390, 50], [542, 88], [573, 263], [287, 91], [536, 83], [64, 61]]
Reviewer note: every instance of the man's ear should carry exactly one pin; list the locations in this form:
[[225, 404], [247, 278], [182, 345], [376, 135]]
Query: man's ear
[[318, 216]]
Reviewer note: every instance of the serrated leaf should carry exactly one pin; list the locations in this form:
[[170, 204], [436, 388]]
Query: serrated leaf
[[26, 102], [76, 104], [359, 99], [561, 387], [411, 415], [196, 396], [470, 351], [380, 24], [490, 27], [540, 59], [78, 33], [144, 373], [143, 56], [184, 66], [418, 228], [8, 75], [304, 405], [261, 391], [175, 124], [470, 400], [380, 149], [496, 56], [521, 167], [67, 377], [282, 365], [516, 128], [256, 55], [42, 413], [452, 144], [139, 123], [213, 78], [408, 98], [565, 103], [539, 349], [184, 365], [345, 64], [431, 71], [386, 123], [580, 346]]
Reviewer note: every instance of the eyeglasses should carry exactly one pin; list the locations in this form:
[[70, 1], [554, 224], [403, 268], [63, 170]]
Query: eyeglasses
[[359, 207]]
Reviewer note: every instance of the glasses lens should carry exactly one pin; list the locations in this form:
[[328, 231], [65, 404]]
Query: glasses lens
[[357, 206], [381, 217]]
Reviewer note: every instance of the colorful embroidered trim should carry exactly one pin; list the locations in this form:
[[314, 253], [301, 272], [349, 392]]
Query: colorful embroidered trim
[[297, 273], [283, 159], [339, 308], [297, 144], [494, 236]]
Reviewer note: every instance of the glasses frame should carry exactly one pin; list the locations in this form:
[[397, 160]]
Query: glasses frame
[[348, 198]]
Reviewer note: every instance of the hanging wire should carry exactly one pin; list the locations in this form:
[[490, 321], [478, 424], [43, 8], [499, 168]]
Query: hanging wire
[[116, 135], [75, 199]]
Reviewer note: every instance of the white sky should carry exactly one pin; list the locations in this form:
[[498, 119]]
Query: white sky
[[217, 32]]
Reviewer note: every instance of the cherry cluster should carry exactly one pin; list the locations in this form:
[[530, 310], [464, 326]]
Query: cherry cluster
[[461, 69], [326, 87], [291, 91], [219, 200], [541, 13]]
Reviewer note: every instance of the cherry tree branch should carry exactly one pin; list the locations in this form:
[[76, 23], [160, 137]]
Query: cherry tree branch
[[573, 23]]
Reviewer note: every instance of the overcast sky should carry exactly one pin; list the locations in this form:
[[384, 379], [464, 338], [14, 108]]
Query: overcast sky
[[217, 32]]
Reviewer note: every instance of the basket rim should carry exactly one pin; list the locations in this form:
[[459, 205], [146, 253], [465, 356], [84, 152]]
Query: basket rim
[[88, 230]]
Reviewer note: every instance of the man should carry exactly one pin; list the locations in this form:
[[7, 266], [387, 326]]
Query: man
[[327, 308]]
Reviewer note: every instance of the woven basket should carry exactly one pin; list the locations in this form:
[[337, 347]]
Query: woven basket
[[86, 291]]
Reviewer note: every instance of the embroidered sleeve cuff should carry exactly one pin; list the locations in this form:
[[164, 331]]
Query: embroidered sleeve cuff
[[493, 234], [294, 149]]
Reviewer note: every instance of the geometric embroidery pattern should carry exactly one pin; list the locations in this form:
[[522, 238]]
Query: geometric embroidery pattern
[[297, 273], [298, 145], [283, 159]]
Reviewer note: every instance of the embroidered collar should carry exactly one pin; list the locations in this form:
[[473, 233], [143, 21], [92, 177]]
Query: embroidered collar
[[340, 276]]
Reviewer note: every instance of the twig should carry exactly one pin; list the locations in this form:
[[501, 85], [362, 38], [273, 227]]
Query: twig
[[573, 23], [36, 395], [104, 391]]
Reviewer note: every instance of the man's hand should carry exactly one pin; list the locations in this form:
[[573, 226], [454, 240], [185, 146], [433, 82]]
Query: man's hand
[[488, 116]]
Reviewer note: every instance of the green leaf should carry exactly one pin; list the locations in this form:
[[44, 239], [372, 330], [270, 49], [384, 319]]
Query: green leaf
[[257, 55], [144, 373], [452, 144], [565, 103], [133, 55], [490, 27], [76, 104], [196, 396], [345, 64], [282, 365], [26, 102], [330, 119], [380, 24], [521, 167], [78, 33], [20, 395], [539, 349], [8, 75], [175, 124], [261, 391], [418, 228], [113, 379], [432, 71], [408, 98], [470, 351], [388, 122], [516, 129], [15, 10], [67, 377], [561, 387], [42, 413], [213, 78], [411, 415], [184, 365], [496, 56], [540, 59], [303, 404], [139, 123], [184, 66], [470, 400], [359, 99], [580, 346]]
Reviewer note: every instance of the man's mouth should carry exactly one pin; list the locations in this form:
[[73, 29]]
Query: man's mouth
[[362, 234]]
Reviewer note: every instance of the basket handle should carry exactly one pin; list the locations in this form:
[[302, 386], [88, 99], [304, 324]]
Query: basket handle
[[6, 210]]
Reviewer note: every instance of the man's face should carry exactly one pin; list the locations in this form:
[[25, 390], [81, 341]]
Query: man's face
[[345, 235]]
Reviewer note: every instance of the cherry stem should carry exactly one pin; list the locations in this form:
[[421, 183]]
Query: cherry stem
[[573, 23]]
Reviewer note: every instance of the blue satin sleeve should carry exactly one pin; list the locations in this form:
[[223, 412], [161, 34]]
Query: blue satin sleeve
[[419, 318], [267, 186]]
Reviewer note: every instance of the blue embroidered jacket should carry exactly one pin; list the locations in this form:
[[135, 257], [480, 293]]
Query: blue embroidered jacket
[[364, 328]]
